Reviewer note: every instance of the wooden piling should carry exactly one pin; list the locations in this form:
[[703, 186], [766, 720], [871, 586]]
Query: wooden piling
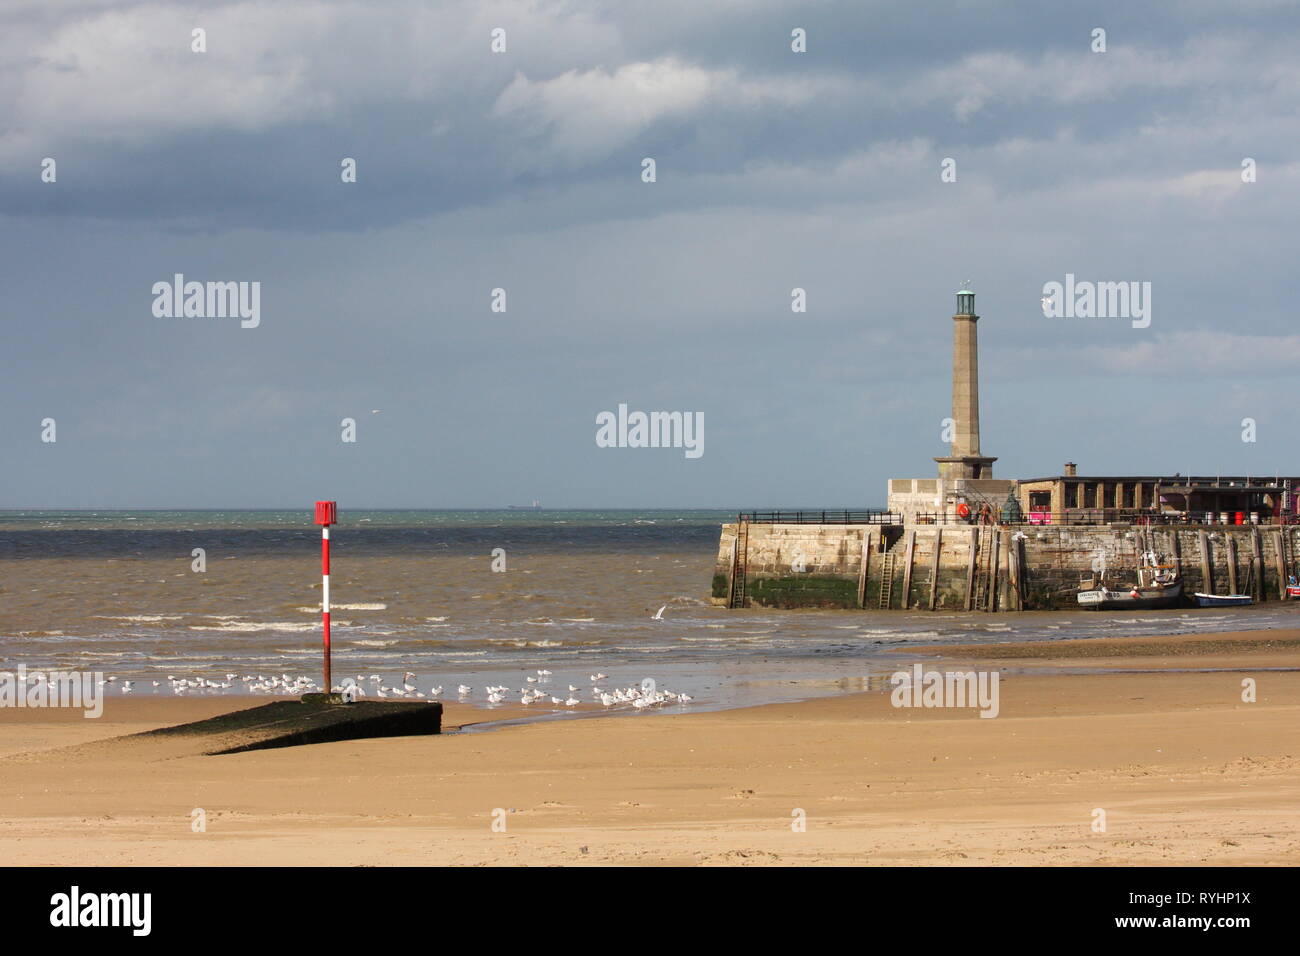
[[1022, 569], [995, 567], [1257, 560], [1231, 554], [907, 568], [731, 577], [934, 566], [1014, 555], [970, 568], [1281, 565], [863, 566], [1207, 569]]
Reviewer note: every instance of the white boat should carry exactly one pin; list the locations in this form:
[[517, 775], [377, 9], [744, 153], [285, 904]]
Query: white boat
[[1157, 586]]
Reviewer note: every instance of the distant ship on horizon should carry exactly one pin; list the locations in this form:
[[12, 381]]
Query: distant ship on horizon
[[535, 506]]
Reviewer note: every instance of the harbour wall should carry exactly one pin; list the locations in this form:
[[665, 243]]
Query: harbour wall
[[985, 567]]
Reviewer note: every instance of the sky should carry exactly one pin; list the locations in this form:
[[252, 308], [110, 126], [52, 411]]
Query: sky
[[523, 170]]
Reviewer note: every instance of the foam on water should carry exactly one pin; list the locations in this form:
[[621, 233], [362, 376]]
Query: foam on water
[[245, 627], [598, 576], [141, 618]]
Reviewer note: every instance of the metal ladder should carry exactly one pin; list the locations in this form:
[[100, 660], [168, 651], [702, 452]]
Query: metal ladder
[[983, 568], [886, 580], [738, 567]]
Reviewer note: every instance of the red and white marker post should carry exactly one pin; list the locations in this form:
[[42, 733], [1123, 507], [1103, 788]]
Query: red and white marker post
[[326, 515]]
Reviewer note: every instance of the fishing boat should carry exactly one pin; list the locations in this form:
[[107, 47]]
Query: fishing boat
[[1157, 586], [1223, 600]]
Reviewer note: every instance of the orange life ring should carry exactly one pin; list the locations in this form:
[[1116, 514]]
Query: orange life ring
[[963, 510]]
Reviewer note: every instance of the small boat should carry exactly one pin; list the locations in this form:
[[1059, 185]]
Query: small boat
[[1157, 586], [1105, 599], [1223, 600]]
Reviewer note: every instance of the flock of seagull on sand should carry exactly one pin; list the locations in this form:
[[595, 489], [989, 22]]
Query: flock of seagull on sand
[[639, 697]]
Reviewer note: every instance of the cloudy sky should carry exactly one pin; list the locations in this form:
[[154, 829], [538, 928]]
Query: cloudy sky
[[522, 170]]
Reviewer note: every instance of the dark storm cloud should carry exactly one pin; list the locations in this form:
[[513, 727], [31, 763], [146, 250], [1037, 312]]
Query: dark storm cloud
[[252, 132], [521, 170]]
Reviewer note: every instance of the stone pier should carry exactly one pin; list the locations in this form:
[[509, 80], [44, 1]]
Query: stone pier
[[959, 567]]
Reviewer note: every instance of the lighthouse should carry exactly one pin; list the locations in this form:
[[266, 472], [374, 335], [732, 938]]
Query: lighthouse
[[964, 459]]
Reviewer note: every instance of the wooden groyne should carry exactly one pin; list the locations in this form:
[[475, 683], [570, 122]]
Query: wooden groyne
[[315, 719]]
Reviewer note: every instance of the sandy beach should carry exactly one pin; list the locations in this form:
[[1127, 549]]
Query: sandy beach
[[1185, 770]]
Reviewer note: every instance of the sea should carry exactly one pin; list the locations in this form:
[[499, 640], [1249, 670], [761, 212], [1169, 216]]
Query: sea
[[479, 598]]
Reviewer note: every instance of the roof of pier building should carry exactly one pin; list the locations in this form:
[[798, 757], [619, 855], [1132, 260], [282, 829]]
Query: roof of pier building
[[1205, 482]]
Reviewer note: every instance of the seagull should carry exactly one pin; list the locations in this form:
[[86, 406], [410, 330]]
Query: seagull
[[571, 702], [659, 614], [596, 677], [464, 689]]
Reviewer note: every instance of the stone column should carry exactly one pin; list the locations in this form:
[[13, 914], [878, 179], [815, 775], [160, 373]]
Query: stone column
[[965, 387], [964, 459]]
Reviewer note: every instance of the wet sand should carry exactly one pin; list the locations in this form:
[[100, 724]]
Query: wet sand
[[1186, 772], [1274, 648]]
